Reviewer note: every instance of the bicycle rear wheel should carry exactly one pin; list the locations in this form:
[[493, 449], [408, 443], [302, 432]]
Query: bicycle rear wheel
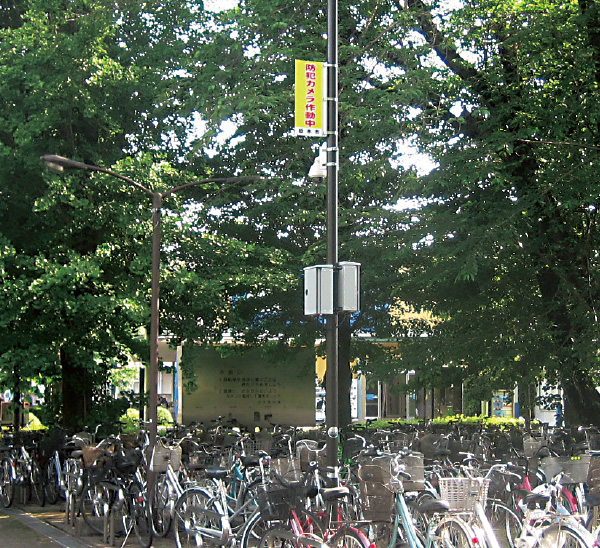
[[420, 518], [140, 514], [7, 486], [37, 484], [453, 532]]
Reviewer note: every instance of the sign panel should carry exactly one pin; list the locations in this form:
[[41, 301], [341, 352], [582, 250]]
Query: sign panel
[[502, 405], [249, 387], [310, 112]]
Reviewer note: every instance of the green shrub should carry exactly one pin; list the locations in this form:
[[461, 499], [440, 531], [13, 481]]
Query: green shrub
[[34, 423], [476, 419], [131, 419]]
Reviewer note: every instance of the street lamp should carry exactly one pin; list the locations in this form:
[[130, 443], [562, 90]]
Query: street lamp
[[59, 164]]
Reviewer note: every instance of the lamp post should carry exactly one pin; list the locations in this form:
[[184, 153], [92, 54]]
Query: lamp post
[[59, 164]]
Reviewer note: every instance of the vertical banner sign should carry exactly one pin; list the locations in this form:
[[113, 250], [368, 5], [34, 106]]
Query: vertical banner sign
[[310, 112]]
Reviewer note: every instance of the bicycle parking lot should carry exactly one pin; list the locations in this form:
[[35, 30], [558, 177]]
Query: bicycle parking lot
[[417, 486]]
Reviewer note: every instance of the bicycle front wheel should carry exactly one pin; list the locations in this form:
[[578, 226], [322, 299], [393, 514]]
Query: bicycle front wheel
[[565, 536], [7, 486], [254, 529], [453, 532], [277, 537], [160, 509], [94, 503], [197, 516], [52, 486], [507, 525]]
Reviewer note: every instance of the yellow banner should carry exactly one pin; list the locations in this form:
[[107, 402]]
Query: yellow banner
[[310, 112]]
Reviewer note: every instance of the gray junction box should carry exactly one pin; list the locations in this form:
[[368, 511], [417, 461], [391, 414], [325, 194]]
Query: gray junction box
[[318, 290], [329, 289]]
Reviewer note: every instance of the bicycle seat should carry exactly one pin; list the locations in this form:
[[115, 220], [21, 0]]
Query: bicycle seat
[[216, 472], [434, 507], [533, 499], [331, 493]]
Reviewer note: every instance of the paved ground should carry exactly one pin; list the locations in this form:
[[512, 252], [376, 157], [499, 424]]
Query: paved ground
[[29, 526]]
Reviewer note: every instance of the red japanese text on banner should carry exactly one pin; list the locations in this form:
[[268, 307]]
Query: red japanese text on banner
[[310, 112]]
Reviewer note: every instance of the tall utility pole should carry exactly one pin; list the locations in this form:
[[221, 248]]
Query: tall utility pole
[[332, 335]]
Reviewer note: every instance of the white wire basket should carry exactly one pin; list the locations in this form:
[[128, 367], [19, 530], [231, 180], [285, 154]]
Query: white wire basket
[[287, 468], [462, 494], [162, 456]]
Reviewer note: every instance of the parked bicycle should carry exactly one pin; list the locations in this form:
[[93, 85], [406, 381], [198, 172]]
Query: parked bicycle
[[114, 501], [20, 468]]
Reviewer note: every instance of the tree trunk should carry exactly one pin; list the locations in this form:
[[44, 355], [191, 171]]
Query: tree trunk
[[17, 406], [76, 392], [582, 401]]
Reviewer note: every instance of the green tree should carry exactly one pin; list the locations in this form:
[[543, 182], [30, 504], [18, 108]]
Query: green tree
[[509, 260], [95, 81], [247, 97], [503, 97]]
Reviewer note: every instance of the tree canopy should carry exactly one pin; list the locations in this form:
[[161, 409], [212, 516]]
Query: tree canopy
[[501, 249], [493, 251]]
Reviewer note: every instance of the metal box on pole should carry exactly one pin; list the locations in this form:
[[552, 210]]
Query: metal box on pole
[[348, 287], [318, 290]]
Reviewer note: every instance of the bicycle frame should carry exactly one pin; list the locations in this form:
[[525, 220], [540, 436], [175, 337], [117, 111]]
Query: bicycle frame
[[299, 535], [484, 522], [536, 521], [403, 514]]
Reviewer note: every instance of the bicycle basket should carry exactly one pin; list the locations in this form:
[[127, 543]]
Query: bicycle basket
[[413, 465], [593, 476], [575, 468], [201, 459], [377, 502], [127, 461], [276, 502], [463, 493], [378, 482], [388, 474], [593, 440], [254, 447], [307, 451], [531, 445], [287, 468], [162, 456], [90, 454], [100, 469]]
